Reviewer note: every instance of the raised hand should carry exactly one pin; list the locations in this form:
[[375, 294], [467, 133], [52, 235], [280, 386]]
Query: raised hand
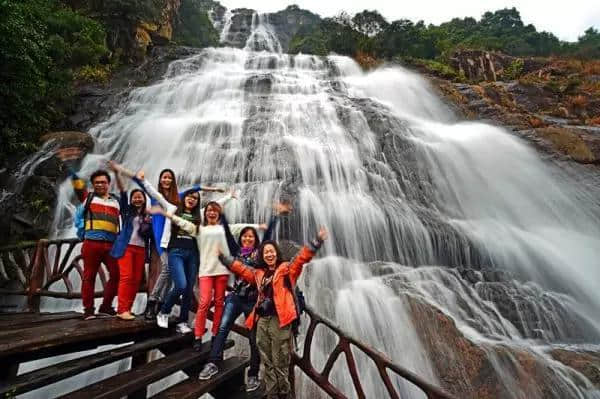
[[140, 175], [69, 153], [322, 234], [157, 210], [282, 208], [263, 227]]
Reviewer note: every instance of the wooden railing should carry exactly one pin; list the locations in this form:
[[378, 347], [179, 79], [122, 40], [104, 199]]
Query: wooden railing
[[33, 269]]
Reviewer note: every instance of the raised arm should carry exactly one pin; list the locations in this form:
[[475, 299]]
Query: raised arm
[[114, 167], [234, 247], [238, 268], [68, 156], [185, 225], [305, 255]]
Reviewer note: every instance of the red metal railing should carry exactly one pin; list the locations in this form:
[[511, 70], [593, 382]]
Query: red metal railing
[[33, 269]]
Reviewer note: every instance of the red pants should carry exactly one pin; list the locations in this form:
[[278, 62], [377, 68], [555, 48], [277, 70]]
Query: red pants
[[206, 286], [131, 271], [94, 253]]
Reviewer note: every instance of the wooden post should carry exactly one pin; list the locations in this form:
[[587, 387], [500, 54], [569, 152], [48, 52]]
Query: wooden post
[[36, 279]]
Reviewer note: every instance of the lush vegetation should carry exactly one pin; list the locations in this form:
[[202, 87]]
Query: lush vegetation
[[42, 43], [502, 30], [48, 45], [193, 27]]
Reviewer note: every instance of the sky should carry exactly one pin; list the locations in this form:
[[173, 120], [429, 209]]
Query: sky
[[566, 19]]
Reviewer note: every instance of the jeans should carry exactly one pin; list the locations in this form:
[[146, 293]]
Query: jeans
[[183, 266], [163, 282], [235, 306]]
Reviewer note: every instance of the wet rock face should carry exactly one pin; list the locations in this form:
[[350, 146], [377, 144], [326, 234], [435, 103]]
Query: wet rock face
[[28, 206], [286, 23], [476, 370]]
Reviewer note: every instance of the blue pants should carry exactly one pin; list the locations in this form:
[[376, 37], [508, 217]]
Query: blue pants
[[183, 268], [235, 306]]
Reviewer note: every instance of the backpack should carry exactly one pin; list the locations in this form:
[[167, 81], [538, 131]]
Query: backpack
[[300, 303], [79, 219]]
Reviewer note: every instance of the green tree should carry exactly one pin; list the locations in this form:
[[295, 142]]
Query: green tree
[[40, 44], [369, 23], [193, 27]]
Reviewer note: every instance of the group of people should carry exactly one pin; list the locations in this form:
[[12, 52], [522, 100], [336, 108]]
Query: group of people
[[194, 245]]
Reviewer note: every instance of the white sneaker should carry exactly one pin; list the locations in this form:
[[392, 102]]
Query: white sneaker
[[183, 328], [162, 320]]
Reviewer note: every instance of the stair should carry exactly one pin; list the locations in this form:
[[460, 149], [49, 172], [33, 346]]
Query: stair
[[140, 377], [224, 384], [48, 375]]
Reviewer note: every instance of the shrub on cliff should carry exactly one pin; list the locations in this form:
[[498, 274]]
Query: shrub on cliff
[[193, 27], [41, 43]]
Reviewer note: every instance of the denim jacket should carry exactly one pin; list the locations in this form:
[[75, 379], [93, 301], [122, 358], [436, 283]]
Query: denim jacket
[[128, 213]]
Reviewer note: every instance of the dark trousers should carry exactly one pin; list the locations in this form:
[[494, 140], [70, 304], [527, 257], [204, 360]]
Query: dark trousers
[[183, 267], [235, 306]]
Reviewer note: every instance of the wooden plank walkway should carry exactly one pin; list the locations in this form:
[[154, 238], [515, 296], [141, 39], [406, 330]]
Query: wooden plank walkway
[[48, 335]]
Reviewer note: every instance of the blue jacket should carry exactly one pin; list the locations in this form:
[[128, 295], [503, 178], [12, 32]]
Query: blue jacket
[[128, 213]]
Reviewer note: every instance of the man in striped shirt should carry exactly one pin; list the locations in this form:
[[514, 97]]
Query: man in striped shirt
[[101, 229]]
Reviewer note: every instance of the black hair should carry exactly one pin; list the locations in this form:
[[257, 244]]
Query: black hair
[[100, 172], [261, 260], [194, 211], [253, 230], [173, 194], [211, 203], [143, 209]]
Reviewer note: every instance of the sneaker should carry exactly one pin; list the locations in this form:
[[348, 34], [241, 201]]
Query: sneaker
[[183, 328], [107, 311], [162, 320], [253, 384], [197, 345], [126, 316], [208, 371], [150, 312], [88, 314]]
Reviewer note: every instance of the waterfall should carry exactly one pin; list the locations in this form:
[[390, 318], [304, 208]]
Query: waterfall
[[425, 211]]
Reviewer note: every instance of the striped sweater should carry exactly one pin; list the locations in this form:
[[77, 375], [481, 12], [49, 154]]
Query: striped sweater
[[102, 217]]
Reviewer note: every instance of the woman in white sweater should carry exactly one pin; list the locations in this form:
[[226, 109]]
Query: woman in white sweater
[[213, 276]]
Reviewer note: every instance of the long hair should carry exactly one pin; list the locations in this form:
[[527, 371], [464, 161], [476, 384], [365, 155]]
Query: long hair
[[213, 204], [261, 259], [172, 194], [194, 211], [133, 208]]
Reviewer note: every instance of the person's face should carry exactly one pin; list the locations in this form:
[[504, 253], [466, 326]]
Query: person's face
[[190, 201], [212, 215], [270, 255], [138, 200], [166, 180], [248, 239], [101, 185]]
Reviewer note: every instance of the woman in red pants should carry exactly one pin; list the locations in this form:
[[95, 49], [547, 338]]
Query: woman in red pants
[[130, 248]]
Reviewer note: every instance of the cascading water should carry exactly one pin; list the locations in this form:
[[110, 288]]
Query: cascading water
[[379, 160]]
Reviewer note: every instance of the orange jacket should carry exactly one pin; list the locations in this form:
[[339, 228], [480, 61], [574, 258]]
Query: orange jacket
[[282, 296]]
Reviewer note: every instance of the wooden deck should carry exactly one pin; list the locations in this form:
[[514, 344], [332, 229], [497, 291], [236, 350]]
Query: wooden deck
[[29, 336]]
